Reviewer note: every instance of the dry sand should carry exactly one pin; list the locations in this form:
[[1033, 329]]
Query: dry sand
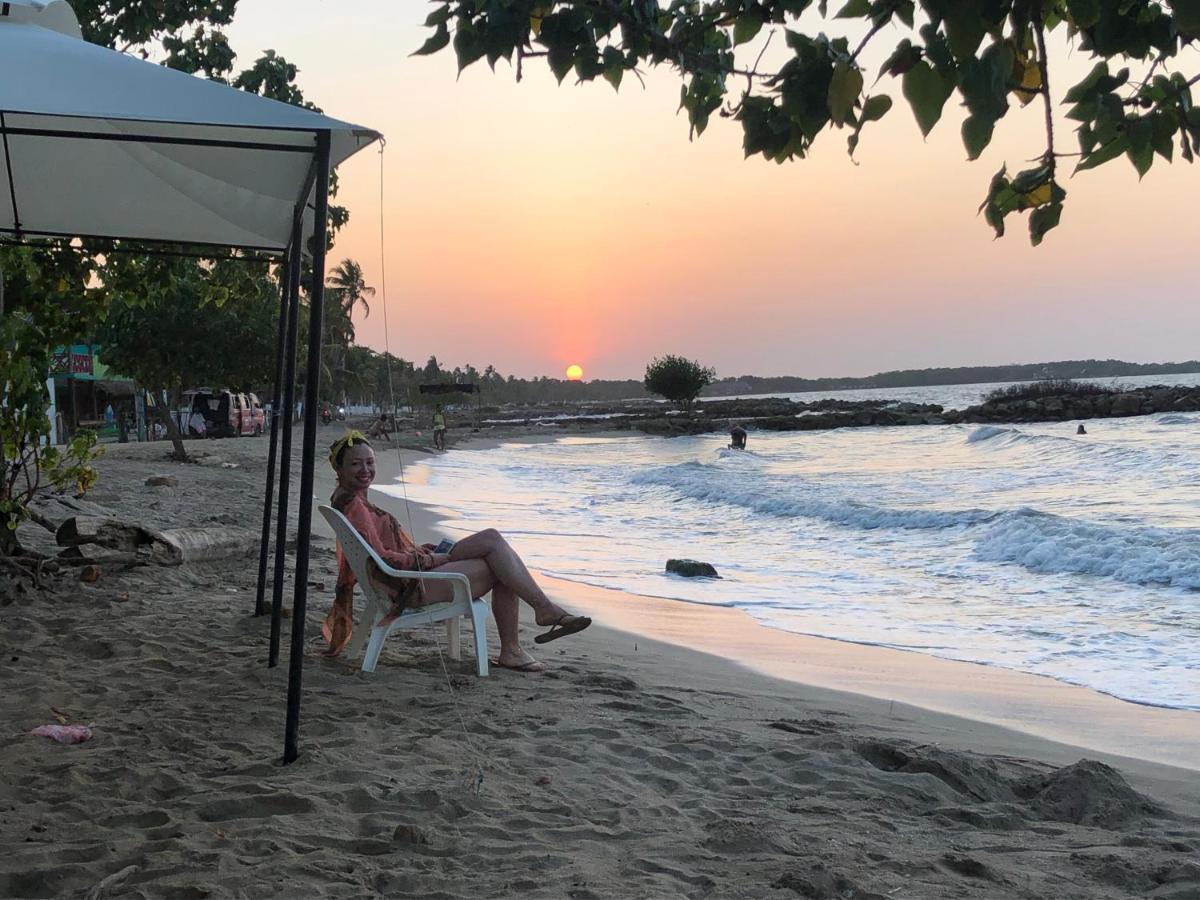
[[633, 768]]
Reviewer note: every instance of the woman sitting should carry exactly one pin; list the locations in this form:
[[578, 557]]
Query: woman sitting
[[485, 558]]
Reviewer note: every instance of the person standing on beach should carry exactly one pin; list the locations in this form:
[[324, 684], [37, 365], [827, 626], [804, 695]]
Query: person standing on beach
[[439, 428], [486, 558]]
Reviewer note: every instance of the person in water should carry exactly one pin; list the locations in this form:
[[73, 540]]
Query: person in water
[[737, 438], [486, 558], [1081, 429]]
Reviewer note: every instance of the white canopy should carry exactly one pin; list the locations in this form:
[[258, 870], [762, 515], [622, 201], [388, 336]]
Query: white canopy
[[98, 143]]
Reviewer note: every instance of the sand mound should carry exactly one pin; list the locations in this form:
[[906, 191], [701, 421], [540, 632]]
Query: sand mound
[[1087, 793]]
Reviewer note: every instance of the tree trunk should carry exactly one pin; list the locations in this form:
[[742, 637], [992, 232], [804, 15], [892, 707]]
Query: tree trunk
[[162, 411]]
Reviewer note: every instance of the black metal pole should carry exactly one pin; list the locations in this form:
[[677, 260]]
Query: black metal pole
[[260, 602], [312, 385], [287, 405]]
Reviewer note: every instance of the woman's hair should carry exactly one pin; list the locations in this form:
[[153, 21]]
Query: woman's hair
[[338, 448]]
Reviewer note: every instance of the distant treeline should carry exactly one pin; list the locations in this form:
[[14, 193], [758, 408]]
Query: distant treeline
[[1067, 369], [363, 377]]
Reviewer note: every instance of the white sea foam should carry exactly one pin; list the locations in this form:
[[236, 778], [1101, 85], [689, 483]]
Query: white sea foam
[[1135, 555], [700, 482]]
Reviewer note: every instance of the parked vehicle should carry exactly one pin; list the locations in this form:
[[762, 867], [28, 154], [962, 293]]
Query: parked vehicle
[[220, 413]]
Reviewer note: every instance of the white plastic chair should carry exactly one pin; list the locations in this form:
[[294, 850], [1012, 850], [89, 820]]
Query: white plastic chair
[[359, 554]]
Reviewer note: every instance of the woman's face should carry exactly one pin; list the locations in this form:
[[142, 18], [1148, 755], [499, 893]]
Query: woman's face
[[357, 470]]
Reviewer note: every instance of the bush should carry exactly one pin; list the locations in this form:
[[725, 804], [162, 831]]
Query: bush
[[1062, 387], [678, 380]]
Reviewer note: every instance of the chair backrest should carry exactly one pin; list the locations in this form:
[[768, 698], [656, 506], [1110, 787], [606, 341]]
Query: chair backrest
[[356, 550]]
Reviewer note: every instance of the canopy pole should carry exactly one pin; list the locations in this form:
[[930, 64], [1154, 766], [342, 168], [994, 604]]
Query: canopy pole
[[286, 406], [312, 379], [12, 190], [260, 604]]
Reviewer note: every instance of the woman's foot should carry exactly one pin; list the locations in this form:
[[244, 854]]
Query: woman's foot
[[518, 661], [565, 625]]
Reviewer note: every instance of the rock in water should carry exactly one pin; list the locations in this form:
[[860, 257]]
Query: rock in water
[[690, 568], [162, 481]]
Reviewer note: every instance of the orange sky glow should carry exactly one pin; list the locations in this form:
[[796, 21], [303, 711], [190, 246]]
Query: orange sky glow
[[531, 226]]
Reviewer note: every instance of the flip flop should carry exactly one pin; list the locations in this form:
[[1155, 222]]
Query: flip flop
[[529, 668], [560, 629]]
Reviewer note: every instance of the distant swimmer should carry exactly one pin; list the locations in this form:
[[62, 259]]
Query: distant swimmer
[[737, 438], [1081, 429]]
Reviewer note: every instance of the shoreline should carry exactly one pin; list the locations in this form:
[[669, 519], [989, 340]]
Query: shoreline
[[1037, 705]]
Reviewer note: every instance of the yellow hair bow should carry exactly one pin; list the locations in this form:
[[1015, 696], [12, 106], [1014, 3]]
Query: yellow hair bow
[[349, 439]]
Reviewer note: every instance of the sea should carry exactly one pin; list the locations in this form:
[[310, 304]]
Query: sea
[[1026, 546]]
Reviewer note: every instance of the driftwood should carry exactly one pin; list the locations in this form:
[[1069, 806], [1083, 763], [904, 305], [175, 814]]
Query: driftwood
[[170, 547]]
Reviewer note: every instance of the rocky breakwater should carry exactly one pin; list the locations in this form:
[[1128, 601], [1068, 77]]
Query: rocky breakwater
[[1097, 403], [786, 415]]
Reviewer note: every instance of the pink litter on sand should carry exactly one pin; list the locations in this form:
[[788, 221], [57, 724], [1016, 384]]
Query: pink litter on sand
[[64, 734]]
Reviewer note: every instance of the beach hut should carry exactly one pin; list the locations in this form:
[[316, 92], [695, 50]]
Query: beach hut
[[99, 144]]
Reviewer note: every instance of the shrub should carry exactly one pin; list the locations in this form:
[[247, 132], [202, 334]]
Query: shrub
[[1061, 387], [678, 379]]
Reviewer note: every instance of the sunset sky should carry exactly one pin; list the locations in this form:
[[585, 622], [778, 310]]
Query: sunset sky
[[531, 226]]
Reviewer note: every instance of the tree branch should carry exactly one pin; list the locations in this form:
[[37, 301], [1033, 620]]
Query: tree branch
[[1044, 67]]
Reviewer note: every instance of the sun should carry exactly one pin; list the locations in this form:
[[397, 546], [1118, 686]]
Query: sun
[[574, 373]]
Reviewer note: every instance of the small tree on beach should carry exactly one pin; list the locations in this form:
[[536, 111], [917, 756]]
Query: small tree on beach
[[992, 53], [678, 379], [172, 325]]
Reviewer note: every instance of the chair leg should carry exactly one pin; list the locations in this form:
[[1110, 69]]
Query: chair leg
[[454, 637], [374, 648], [479, 626]]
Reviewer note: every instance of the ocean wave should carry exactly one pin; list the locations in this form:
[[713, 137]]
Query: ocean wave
[[702, 483], [1051, 544], [1088, 451], [1177, 419], [987, 432]]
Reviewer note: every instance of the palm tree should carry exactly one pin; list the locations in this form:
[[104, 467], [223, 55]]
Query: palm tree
[[345, 290]]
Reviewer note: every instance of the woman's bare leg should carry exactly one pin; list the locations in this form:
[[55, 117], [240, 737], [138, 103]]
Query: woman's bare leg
[[508, 568], [504, 605]]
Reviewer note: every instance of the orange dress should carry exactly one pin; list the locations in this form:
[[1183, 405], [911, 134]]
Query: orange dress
[[380, 529]]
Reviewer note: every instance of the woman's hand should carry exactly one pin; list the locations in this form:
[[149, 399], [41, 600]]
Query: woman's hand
[[440, 559]]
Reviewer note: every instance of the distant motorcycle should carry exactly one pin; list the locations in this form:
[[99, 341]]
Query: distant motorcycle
[[341, 414], [326, 416]]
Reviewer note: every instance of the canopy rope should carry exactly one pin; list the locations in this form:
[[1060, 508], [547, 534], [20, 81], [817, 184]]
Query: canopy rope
[[473, 776]]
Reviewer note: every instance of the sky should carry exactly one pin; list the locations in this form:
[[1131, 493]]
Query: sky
[[531, 226]]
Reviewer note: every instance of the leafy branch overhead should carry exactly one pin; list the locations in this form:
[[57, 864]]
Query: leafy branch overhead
[[992, 53]]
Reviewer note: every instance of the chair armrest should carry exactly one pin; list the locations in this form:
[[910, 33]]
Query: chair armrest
[[459, 577]]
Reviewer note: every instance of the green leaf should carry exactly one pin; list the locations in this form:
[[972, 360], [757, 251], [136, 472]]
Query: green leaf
[[875, 108], [614, 66], [855, 9], [1042, 220], [965, 28], [1084, 13], [1187, 17], [748, 25], [927, 92], [1101, 155], [435, 42], [844, 88], [904, 58], [438, 17], [977, 134]]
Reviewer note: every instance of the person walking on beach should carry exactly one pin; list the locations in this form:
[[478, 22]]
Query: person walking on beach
[[485, 557], [379, 428], [439, 428]]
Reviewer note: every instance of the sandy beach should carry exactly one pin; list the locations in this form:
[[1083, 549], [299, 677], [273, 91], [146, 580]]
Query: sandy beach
[[649, 761]]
